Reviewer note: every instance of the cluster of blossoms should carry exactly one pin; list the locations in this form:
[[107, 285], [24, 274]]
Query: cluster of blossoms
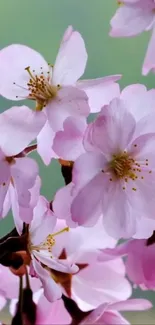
[[62, 263]]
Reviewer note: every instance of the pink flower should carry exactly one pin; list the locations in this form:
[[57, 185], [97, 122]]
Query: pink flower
[[140, 261], [108, 314], [28, 75], [41, 242], [95, 282], [132, 18], [115, 176]]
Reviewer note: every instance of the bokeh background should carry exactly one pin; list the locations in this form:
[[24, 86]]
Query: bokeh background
[[40, 24]]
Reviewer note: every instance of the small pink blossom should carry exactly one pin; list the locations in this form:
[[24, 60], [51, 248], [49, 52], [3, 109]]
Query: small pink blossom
[[17, 175], [132, 18], [108, 314], [140, 261], [115, 176], [41, 245]]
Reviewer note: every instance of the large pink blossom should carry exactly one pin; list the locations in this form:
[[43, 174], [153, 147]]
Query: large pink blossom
[[132, 18], [115, 176], [25, 74]]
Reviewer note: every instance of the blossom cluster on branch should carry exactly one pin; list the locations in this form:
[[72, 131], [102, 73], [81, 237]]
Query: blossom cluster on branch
[[62, 263]]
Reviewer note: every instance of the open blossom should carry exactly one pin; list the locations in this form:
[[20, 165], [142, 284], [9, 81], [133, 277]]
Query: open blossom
[[95, 282], [68, 143], [115, 176], [42, 238], [132, 18], [54, 88]]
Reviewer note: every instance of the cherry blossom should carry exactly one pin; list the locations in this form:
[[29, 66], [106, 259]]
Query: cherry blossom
[[140, 261], [41, 242], [95, 282], [115, 176], [132, 18], [109, 313], [54, 88]]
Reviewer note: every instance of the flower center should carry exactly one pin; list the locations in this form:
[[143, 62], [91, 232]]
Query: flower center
[[49, 242], [122, 166], [40, 88]]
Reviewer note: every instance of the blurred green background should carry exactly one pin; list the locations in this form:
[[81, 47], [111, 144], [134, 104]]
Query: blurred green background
[[40, 24]]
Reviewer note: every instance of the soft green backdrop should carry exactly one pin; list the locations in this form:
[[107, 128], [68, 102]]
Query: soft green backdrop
[[40, 24]]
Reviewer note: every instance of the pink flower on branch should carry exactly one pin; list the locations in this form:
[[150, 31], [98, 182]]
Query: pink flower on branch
[[116, 175], [42, 239], [132, 18], [18, 174], [139, 261]]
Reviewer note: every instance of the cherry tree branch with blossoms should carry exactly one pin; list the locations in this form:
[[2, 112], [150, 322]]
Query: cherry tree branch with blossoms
[[62, 263]]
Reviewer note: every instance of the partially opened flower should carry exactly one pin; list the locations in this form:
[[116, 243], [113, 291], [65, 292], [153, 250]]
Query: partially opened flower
[[139, 261], [42, 238], [108, 314], [116, 175], [132, 18], [17, 171]]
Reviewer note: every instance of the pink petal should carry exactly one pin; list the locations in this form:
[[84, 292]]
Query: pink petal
[[112, 317], [24, 173], [13, 61], [43, 222], [149, 61], [44, 144], [70, 101], [100, 91], [101, 283], [61, 265], [6, 203], [68, 144], [138, 100], [107, 132], [86, 206], [62, 204], [19, 126], [4, 184], [95, 315], [3, 194], [86, 167], [52, 291], [71, 59], [54, 313], [129, 21], [132, 304], [119, 218], [2, 302]]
